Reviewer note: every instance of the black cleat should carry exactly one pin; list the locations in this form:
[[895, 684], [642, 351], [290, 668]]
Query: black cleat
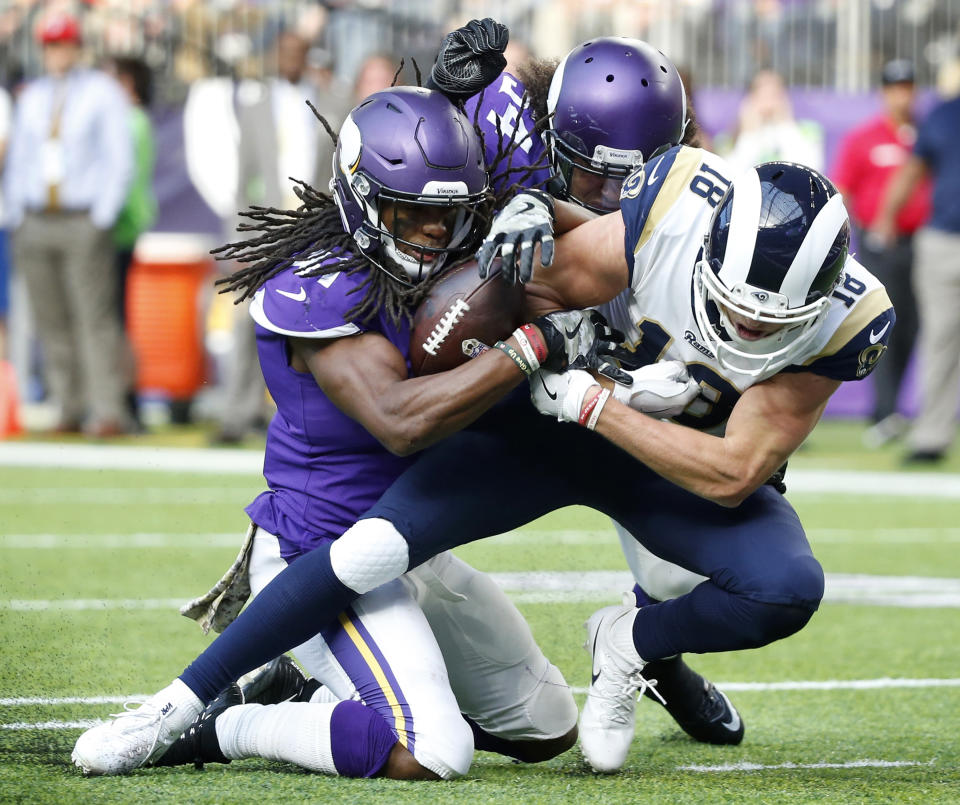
[[702, 711], [199, 744], [280, 680]]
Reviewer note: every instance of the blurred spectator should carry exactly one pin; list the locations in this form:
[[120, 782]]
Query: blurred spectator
[[767, 130], [280, 138], [140, 209], [376, 72], [5, 110], [936, 276], [868, 158], [69, 170]]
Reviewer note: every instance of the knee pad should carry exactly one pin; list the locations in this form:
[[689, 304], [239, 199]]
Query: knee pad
[[553, 711], [370, 553], [448, 755]]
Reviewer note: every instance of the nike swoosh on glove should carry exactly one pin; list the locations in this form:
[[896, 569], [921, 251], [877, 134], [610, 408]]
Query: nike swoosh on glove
[[560, 394], [518, 228], [661, 389]]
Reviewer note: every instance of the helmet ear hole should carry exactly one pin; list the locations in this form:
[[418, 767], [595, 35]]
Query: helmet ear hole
[[589, 91]]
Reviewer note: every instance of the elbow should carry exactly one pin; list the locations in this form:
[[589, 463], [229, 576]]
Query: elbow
[[733, 490], [404, 438]]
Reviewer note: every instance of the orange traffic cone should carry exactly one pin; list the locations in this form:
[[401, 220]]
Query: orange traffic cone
[[10, 424]]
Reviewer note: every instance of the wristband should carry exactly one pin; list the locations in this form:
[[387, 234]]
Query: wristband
[[601, 401], [528, 351], [588, 407], [515, 356], [535, 337]]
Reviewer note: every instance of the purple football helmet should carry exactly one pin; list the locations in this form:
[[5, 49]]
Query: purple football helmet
[[614, 103], [410, 181]]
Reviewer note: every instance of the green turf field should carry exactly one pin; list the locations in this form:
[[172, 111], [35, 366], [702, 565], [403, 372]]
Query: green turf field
[[93, 563]]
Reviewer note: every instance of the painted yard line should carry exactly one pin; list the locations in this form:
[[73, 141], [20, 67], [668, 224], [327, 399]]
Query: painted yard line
[[594, 586], [851, 764], [733, 687], [135, 540], [125, 496], [159, 459], [53, 725], [250, 462], [24, 701], [526, 536]]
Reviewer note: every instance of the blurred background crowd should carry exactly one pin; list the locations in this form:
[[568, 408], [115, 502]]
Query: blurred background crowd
[[132, 131]]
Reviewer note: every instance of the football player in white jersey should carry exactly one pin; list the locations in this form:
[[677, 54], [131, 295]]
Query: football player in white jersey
[[747, 281]]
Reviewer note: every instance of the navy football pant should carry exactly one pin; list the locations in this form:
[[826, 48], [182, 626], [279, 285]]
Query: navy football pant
[[515, 465]]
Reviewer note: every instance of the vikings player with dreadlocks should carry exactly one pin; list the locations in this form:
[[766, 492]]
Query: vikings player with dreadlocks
[[307, 594], [333, 286]]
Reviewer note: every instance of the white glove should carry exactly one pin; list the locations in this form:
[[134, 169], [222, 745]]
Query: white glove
[[560, 394], [517, 229], [661, 389]]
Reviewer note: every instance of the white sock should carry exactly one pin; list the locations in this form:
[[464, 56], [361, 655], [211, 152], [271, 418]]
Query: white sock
[[621, 635], [295, 732], [182, 706], [323, 695]]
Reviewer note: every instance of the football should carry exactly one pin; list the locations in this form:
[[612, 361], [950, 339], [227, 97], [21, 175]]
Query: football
[[461, 314]]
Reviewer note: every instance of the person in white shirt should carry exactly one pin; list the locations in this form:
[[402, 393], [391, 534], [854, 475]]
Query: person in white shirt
[[69, 168]]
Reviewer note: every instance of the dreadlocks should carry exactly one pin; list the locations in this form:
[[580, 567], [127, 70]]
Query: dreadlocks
[[284, 237]]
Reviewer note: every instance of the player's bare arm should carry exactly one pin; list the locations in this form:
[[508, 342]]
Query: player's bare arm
[[589, 268], [366, 377], [768, 423]]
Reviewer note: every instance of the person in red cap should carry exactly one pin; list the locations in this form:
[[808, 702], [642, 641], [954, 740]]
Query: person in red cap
[[69, 168], [868, 158]]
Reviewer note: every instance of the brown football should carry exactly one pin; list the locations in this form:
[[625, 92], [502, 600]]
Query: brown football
[[462, 312]]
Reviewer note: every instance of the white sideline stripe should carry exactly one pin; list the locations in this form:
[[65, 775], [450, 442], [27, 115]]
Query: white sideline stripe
[[851, 764], [209, 460], [526, 536], [591, 586]]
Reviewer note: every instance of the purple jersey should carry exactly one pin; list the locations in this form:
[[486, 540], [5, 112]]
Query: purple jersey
[[323, 468], [502, 104]]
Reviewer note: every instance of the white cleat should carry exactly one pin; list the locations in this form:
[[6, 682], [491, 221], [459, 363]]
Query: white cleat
[[135, 736], [607, 722]]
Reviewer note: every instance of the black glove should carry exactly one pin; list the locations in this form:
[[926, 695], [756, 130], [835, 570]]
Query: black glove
[[516, 230], [574, 339], [470, 58]]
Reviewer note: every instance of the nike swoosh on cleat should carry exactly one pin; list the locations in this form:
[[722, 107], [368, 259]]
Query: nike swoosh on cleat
[[299, 296], [594, 676], [733, 722], [551, 394]]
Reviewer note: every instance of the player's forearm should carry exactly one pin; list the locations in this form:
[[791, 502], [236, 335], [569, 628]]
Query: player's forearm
[[420, 411], [708, 466]]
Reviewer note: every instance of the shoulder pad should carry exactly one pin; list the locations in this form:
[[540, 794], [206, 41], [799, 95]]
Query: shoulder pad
[[649, 192], [308, 307]]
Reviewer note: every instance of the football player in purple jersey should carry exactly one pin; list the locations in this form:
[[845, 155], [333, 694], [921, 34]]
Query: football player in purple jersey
[[772, 316], [334, 284]]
